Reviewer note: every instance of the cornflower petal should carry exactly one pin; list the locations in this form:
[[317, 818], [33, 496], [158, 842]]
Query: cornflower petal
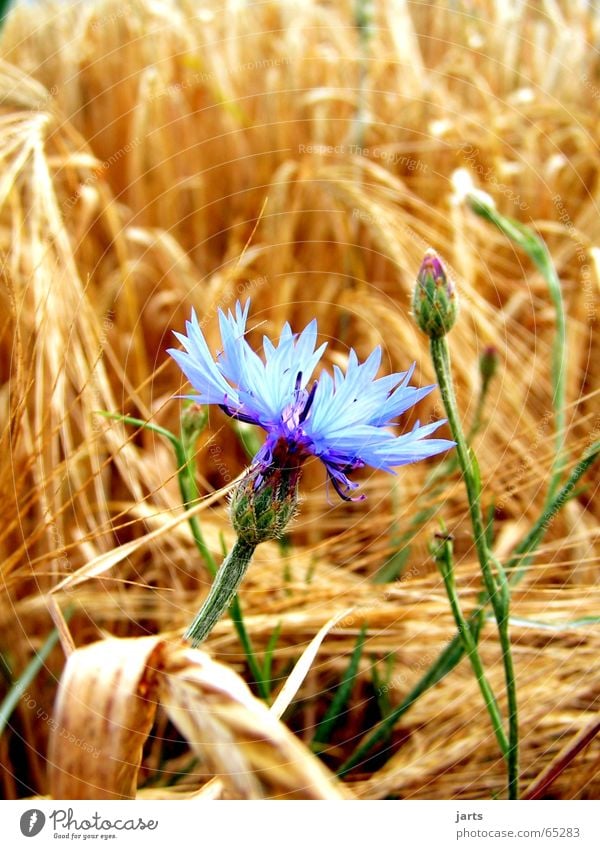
[[198, 365], [398, 402]]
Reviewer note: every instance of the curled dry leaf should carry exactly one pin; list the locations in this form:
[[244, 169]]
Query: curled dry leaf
[[105, 708], [104, 712], [254, 753]]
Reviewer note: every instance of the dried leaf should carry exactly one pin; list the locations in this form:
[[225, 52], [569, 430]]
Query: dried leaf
[[300, 670], [104, 713], [106, 705], [236, 734]]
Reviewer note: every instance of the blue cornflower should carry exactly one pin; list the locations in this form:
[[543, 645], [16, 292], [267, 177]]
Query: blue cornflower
[[341, 419]]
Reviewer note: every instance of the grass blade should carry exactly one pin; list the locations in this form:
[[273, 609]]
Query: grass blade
[[342, 694], [522, 556], [268, 659], [446, 662], [28, 675]]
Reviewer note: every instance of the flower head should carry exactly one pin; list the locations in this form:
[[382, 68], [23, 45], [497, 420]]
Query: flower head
[[343, 419]]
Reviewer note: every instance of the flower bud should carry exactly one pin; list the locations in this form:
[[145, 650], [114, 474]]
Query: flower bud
[[263, 503], [434, 298], [488, 364], [193, 421]]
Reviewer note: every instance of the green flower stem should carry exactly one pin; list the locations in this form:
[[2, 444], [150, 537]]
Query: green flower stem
[[190, 496], [512, 754], [450, 464], [222, 592], [497, 590], [452, 654], [536, 249], [478, 416], [441, 362], [437, 475], [237, 617], [541, 256], [185, 476], [443, 558]]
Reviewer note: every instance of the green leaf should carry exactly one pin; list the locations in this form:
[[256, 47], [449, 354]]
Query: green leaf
[[268, 659], [342, 694], [445, 663], [554, 626], [381, 686], [254, 665], [518, 563], [29, 674], [475, 469], [392, 568]]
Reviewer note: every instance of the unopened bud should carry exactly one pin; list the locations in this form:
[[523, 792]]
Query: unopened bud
[[434, 298], [193, 421], [263, 503], [488, 364]]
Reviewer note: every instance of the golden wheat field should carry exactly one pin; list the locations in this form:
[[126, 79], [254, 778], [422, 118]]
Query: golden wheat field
[[163, 155]]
